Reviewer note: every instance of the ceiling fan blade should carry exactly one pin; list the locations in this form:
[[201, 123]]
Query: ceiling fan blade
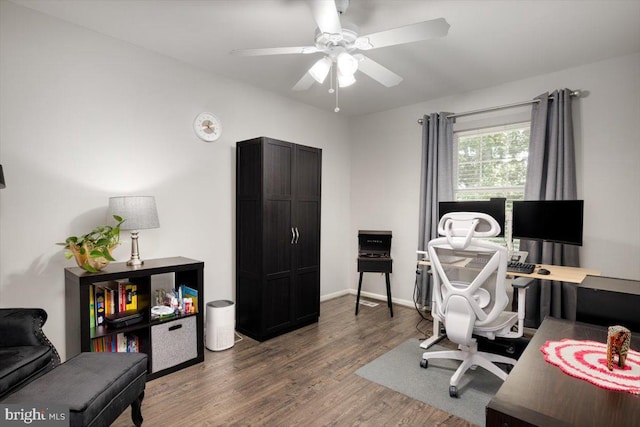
[[326, 16], [377, 72], [274, 51], [305, 82], [408, 34]]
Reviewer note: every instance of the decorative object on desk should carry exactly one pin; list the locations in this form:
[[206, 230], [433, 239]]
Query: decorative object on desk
[[141, 214], [92, 251], [587, 360], [618, 342], [2, 184], [397, 370]]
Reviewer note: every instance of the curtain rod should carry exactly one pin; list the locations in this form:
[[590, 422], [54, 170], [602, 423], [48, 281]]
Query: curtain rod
[[501, 107]]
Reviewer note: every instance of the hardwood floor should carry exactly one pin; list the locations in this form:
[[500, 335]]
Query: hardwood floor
[[304, 378]]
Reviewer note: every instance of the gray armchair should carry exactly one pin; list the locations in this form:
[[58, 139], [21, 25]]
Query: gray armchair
[[25, 351]]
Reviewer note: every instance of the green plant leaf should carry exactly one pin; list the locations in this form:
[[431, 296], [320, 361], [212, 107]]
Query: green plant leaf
[[107, 255], [90, 269], [95, 253], [103, 242]]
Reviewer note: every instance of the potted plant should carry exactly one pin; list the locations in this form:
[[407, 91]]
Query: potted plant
[[92, 251]]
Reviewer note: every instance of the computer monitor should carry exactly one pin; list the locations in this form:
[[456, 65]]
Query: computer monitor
[[558, 221], [493, 207]]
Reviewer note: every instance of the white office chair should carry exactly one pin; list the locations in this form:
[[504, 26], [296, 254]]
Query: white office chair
[[472, 307]]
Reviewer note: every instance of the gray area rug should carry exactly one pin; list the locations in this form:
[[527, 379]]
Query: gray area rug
[[399, 369]]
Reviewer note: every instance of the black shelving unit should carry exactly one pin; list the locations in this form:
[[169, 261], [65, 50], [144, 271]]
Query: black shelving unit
[[172, 344]]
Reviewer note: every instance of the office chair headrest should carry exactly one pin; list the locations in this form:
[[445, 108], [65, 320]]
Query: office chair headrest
[[461, 227]]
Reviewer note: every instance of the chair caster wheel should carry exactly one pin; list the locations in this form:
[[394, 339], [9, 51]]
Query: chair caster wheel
[[424, 363], [453, 391]]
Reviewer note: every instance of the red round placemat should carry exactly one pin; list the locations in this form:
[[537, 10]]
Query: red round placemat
[[587, 360]]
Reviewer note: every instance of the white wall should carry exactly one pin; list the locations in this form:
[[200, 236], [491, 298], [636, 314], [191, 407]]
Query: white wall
[[385, 168], [85, 117]]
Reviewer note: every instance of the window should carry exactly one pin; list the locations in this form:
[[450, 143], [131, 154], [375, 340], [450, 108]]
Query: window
[[492, 162]]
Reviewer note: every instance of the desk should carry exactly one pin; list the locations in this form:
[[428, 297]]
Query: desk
[[537, 393], [558, 273]]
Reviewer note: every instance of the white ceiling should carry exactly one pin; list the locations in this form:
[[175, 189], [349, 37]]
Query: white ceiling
[[489, 42]]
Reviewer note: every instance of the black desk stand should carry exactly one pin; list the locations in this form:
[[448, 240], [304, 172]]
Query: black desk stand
[[375, 265]]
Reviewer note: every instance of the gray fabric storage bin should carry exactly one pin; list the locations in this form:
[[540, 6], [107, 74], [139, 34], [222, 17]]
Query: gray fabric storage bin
[[173, 343]]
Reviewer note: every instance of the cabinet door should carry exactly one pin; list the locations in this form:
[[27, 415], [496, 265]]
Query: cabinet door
[[278, 236], [307, 222]]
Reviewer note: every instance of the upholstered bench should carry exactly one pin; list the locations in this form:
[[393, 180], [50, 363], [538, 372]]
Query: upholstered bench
[[96, 387]]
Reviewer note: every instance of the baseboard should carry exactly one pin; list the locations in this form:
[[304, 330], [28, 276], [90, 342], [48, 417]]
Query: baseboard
[[404, 302], [371, 295], [333, 295]]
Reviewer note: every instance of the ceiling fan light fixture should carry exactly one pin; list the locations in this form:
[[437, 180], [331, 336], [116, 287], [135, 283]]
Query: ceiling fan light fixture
[[347, 64], [345, 80], [320, 69]]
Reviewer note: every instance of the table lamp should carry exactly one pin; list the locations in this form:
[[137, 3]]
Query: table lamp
[[139, 213]]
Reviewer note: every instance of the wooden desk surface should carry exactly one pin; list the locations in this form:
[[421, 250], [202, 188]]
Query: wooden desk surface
[[540, 394], [558, 273]]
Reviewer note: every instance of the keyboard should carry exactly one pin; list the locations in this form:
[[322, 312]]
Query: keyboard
[[520, 267], [512, 266]]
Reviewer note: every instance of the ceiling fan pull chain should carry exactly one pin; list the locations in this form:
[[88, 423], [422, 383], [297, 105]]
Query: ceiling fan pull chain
[[331, 70], [337, 107]]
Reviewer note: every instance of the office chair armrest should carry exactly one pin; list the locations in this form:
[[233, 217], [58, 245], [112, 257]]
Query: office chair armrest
[[522, 282]]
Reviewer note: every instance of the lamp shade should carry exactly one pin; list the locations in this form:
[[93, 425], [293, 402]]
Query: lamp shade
[[345, 80], [2, 184], [139, 212], [347, 63], [320, 69]]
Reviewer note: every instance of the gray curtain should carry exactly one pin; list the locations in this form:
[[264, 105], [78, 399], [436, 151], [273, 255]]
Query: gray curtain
[[551, 175], [436, 183]]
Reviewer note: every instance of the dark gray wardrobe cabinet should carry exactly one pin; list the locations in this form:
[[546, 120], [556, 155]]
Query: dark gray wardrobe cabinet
[[277, 236]]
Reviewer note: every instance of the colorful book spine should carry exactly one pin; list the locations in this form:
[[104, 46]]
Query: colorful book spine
[[188, 292], [131, 291], [100, 306], [112, 301], [119, 343], [92, 308]]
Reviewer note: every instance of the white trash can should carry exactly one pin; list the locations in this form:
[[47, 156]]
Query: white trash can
[[221, 325]]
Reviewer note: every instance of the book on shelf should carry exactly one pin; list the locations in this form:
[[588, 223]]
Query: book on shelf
[[121, 296], [92, 308], [107, 299], [131, 296], [100, 305], [118, 343], [187, 292]]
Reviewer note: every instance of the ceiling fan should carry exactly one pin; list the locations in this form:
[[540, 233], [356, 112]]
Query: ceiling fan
[[340, 43]]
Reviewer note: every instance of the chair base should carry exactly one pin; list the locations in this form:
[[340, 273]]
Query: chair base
[[470, 357]]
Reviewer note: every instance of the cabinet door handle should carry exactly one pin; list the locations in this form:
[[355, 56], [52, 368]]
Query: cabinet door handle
[[293, 236], [174, 327], [297, 235]]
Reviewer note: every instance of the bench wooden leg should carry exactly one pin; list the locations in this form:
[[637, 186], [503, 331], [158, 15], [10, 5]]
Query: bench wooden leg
[[136, 410]]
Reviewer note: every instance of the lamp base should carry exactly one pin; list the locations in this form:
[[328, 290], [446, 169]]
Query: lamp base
[[135, 262]]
